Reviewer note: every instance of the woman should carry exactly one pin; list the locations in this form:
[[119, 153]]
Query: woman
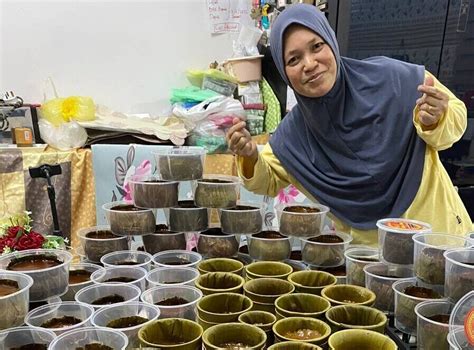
[[363, 138]]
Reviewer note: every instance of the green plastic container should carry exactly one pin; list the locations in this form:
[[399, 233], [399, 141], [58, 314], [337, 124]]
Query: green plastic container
[[351, 339], [356, 317], [223, 335]]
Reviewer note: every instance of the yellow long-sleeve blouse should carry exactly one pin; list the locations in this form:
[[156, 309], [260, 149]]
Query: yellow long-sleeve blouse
[[436, 202]]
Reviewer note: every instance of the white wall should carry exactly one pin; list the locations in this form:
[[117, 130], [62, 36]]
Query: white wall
[[125, 54]]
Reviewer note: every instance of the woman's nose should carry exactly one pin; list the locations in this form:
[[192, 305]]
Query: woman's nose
[[310, 62]]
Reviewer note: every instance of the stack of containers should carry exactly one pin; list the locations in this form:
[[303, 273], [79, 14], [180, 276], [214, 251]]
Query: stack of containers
[[397, 251]]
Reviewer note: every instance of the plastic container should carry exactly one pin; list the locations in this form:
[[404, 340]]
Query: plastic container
[[220, 282], [163, 240], [269, 245], [48, 282], [180, 163], [118, 316], [171, 334], [273, 269], [245, 69], [267, 290], [97, 241], [395, 239], [459, 273], [101, 295], [14, 306], [79, 338], [41, 316], [461, 324], [82, 273], [350, 339], [223, 307], [325, 250], [356, 259], [128, 258], [356, 317], [217, 191], [127, 220], [429, 263], [216, 336], [166, 276], [379, 279], [177, 258], [222, 87], [187, 217], [312, 282], [15, 338], [433, 324], [405, 317], [213, 243], [245, 218], [302, 305], [301, 220], [348, 295], [122, 275], [221, 265], [189, 296], [283, 327], [151, 192]]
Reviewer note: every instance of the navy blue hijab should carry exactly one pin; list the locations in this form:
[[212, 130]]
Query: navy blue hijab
[[354, 149]]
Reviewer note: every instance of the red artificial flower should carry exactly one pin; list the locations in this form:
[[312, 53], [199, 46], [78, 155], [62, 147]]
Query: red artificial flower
[[13, 231], [7, 242], [32, 240]]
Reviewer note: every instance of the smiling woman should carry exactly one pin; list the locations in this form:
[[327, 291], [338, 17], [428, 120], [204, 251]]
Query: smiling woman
[[363, 138], [309, 62]]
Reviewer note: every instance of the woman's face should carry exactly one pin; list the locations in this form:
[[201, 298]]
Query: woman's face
[[310, 64]]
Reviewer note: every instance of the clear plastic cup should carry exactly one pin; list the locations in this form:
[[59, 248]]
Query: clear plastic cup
[[405, 317], [186, 294], [459, 273], [217, 191], [325, 250], [126, 313], [395, 239], [356, 259], [115, 294], [213, 243], [151, 192], [166, 276], [121, 274], [177, 258], [187, 217], [429, 264], [379, 278], [97, 241], [128, 258], [14, 306], [90, 335], [180, 163], [433, 324], [301, 220], [87, 268], [48, 282], [163, 239], [40, 316], [461, 322], [269, 245], [15, 338], [244, 218], [127, 220]]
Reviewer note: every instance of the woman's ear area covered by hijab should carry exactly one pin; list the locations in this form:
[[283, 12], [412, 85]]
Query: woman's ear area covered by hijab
[[310, 64]]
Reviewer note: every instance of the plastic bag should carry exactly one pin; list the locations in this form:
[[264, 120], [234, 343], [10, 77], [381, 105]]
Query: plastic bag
[[65, 136], [63, 110]]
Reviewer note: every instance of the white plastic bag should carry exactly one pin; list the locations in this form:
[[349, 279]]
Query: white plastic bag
[[64, 137]]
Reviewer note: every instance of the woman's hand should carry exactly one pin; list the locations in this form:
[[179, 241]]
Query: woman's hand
[[239, 140], [432, 105]]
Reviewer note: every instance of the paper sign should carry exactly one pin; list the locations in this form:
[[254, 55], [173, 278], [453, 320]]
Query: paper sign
[[226, 16]]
